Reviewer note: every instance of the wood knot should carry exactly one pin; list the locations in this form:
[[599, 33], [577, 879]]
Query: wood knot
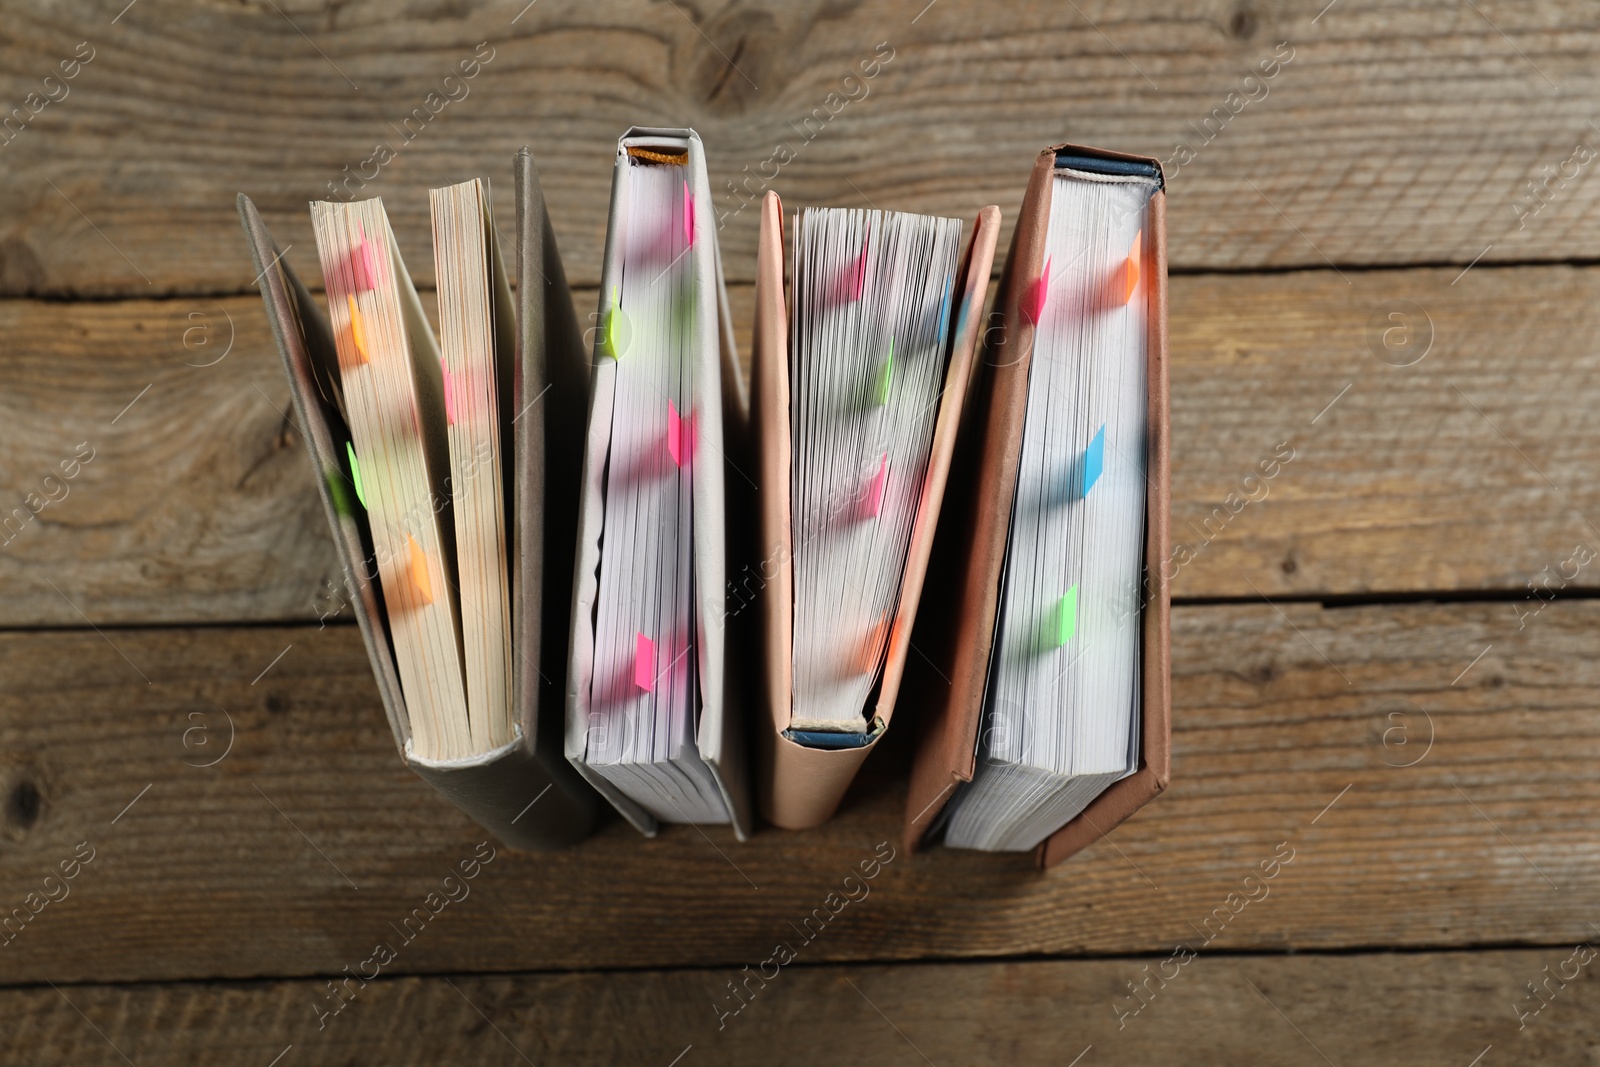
[[23, 805], [21, 271], [1243, 25], [730, 59]]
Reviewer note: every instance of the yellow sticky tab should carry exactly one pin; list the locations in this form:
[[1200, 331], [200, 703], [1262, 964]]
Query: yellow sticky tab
[[417, 570], [358, 335]]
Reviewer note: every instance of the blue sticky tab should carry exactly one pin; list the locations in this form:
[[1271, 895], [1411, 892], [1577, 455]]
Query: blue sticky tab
[[944, 312], [1094, 460]]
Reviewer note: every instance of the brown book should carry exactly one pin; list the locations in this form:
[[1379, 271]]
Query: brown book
[[958, 626], [521, 788], [805, 769]]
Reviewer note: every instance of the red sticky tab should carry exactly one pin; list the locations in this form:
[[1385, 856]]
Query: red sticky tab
[[688, 217], [644, 663], [1037, 294], [880, 482], [1133, 267], [449, 394]]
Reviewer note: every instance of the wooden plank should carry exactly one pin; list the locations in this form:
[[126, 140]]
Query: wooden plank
[[199, 504], [1446, 1008], [308, 840], [1394, 134]]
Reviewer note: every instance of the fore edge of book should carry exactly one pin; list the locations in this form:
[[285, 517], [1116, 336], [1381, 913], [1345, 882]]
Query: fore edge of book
[[280, 285]]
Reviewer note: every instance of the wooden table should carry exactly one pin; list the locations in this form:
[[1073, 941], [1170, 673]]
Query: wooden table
[[1384, 666]]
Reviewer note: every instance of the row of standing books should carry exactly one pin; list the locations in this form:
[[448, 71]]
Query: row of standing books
[[590, 564]]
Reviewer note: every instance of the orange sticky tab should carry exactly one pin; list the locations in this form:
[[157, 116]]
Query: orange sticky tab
[[872, 646], [1133, 266], [1033, 302], [358, 335], [644, 663], [417, 570]]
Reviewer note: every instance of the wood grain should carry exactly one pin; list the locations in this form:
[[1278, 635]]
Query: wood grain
[[309, 840], [1443, 1008], [1468, 470], [1396, 133]]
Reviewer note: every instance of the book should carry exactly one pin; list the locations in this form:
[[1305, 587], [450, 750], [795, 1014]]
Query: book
[[417, 477], [1053, 722], [859, 383], [653, 712]]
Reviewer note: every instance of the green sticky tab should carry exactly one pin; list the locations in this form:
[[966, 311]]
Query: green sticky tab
[[618, 332], [880, 388], [355, 472], [1067, 617]]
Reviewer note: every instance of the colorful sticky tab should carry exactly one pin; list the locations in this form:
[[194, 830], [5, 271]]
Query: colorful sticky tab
[[944, 311], [880, 482], [449, 394], [364, 262], [858, 273], [1039, 292], [1133, 267], [616, 326], [688, 217], [1094, 460], [644, 663], [1066, 621], [872, 646], [677, 430], [417, 570], [355, 472], [880, 385], [358, 334]]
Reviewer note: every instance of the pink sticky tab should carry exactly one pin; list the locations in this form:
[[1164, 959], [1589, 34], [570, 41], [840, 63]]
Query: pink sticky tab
[[674, 434], [688, 216], [449, 395], [364, 264], [858, 274], [880, 482], [1033, 304], [644, 663]]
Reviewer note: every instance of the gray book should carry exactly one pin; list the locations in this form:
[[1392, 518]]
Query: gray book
[[523, 790], [654, 708]]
